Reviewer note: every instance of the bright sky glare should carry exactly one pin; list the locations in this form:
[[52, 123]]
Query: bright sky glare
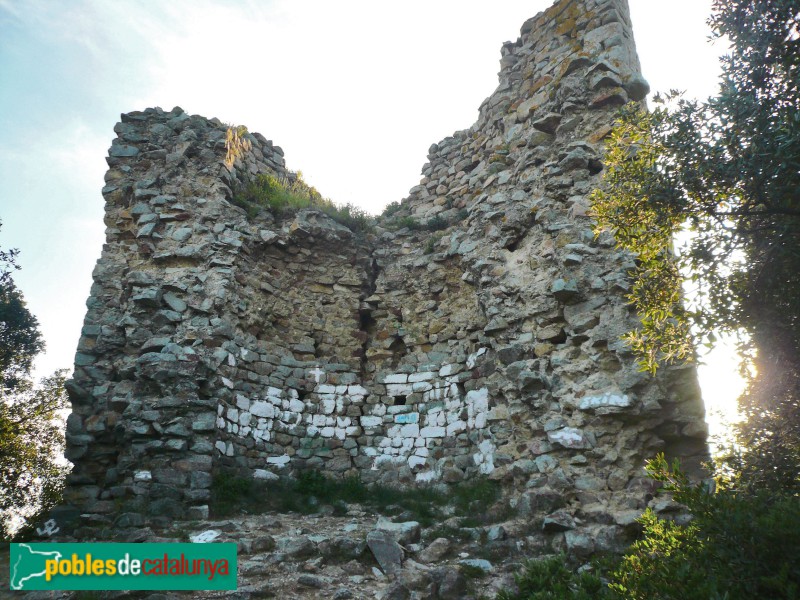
[[354, 91]]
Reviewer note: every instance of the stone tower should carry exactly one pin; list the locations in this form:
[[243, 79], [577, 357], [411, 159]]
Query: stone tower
[[475, 333]]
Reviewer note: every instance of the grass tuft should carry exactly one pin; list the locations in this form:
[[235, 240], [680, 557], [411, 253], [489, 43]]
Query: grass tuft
[[311, 490], [268, 193]]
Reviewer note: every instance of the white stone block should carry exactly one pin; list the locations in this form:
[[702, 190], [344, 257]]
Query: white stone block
[[265, 475], [148, 476], [233, 415], [396, 378], [326, 432], [569, 437], [433, 432], [604, 401], [242, 402], [427, 476], [326, 389], [479, 399], [416, 461], [296, 406], [371, 421], [411, 430], [456, 427], [328, 406], [399, 389], [423, 376], [447, 370], [356, 390], [259, 408], [279, 461]]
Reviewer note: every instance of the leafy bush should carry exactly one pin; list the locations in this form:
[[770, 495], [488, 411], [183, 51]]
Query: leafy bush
[[280, 198], [391, 209], [404, 223], [436, 223], [738, 546], [431, 242], [550, 579]]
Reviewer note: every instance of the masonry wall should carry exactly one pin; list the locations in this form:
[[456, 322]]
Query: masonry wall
[[491, 347]]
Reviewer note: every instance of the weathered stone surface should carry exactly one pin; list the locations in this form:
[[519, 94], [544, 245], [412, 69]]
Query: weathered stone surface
[[274, 344], [403, 533], [386, 551], [435, 551]]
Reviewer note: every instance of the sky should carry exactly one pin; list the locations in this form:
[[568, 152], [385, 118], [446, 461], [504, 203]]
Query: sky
[[354, 91]]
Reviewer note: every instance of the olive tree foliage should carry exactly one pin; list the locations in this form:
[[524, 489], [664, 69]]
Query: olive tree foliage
[[31, 430], [728, 170], [31, 442], [725, 172]]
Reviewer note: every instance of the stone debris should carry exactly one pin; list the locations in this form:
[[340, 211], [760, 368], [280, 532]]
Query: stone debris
[[386, 551]]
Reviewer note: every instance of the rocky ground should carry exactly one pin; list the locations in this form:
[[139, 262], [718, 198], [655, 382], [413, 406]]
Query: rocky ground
[[358, 555]]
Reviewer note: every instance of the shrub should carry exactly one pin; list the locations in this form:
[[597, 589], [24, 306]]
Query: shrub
[[550, 579], [738, 545], [436, 223], [391, 208]]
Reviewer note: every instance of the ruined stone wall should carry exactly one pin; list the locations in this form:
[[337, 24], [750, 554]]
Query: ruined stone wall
[[491, 347]]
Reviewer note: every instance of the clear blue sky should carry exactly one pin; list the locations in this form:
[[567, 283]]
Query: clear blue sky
[[354, 91]]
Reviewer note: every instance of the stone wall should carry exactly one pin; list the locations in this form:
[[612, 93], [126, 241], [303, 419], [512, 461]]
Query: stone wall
[[491, 347]]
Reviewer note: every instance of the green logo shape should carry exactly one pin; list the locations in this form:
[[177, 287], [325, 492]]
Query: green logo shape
[[99, 566]]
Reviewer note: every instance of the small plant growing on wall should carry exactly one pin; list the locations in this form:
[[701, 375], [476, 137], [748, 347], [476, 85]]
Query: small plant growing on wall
[[287, 196]]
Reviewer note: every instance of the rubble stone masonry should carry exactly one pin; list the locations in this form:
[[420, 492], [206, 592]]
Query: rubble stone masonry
[[491, 348]]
